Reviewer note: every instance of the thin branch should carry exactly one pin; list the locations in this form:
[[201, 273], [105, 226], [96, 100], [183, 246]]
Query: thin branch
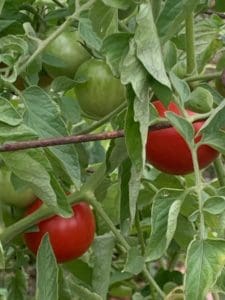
[[74, 139], [61, 141]]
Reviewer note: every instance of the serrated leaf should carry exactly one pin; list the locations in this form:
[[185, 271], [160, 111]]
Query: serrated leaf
[[77, 289], [44, 117], [171, 16], [132, 71], [104, 19], [215, 122], [115, 47], [18, 285], [13, 51], [219, 286], [134, 144], [165, 210], [135, 262], [87, 33], [21, 132], [182, 126], [180, 86], [214, 205], [204, 263], [148, 45], [8, 114], [120, 4], [31, 166], [103, 250], [47, 272]]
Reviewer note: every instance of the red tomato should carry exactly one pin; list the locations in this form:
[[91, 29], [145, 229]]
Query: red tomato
[[167, 150], [69, 237]]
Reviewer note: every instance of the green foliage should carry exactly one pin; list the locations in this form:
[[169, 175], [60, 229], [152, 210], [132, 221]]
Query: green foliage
[[158, 236]]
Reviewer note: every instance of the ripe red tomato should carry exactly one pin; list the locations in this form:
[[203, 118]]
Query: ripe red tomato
[[69, 237], [167, 150]]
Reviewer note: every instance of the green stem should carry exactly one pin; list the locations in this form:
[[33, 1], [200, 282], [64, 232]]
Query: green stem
[[190, 44], [139, 232], [219, 167], [199, 188], [109, 222], [43, 44], [153, 282], [204, 77], [99, 123]]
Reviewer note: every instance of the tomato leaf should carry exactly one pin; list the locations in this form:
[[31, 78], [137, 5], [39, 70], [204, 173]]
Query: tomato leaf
[[171, 16], [18, 285], [8, 113], [103, 250], [148, 45], [180, 86], [165, 210], [115, 47], [88, 34], [219, 286], [77, 289], [214, 205], [104, 19], [47, 272], [44, 117], [135, 262], [120, 4], [182, 126], [204, 263], [31, 166]]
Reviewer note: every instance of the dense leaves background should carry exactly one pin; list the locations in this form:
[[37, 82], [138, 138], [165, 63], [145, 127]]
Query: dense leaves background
[[158, 236]]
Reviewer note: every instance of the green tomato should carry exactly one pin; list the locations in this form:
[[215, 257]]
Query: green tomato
[[19, 198], [69, 52], [98, 91]]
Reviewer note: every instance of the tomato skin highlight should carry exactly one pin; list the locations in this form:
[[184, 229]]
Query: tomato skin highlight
[[69, 237], [167, 151], [68, 49], [100, 92]]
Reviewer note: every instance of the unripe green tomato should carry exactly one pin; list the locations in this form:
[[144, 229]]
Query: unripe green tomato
[[8, 194], [68, 50], [97, 90]]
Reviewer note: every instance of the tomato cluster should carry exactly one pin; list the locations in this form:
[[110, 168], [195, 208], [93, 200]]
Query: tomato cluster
[[167, 150], [69, 237]]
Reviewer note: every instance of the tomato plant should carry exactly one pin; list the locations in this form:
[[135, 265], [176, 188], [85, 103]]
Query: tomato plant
[[155, 233], [9, 195], [68, 54], [69, 237], [167, 150], [97, 90]]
